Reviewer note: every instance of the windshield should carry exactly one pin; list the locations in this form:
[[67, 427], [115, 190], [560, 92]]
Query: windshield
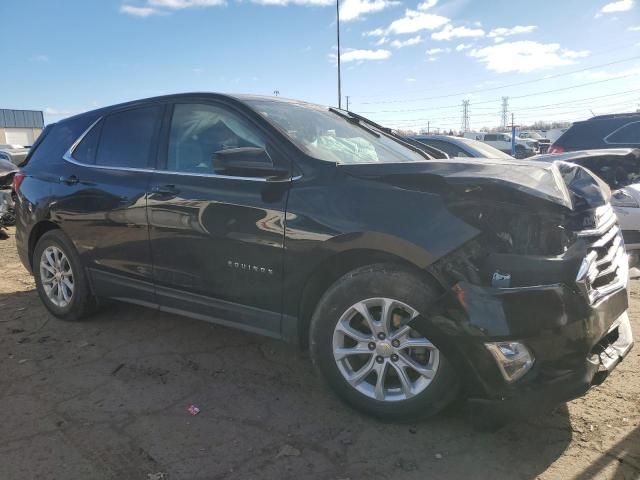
[[328, 136]]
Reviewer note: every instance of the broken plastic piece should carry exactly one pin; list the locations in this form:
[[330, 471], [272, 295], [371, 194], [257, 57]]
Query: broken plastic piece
[[193, 410]]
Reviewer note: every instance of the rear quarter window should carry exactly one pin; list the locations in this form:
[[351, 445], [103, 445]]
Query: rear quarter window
[[55, 142], [627, 134]]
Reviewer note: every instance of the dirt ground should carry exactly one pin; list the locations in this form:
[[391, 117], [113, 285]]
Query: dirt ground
[[107, 399]]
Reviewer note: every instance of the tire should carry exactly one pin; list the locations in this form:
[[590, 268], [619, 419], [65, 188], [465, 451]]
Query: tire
[[409, 295], [65, 302]]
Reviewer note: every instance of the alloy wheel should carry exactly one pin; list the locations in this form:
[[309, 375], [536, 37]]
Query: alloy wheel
[[56, 276], [379, 354]]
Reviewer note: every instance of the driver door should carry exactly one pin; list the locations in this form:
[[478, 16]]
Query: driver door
[[216, 240]]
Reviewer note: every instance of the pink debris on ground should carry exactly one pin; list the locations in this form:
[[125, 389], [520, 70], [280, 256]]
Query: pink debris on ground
[[193, 410]]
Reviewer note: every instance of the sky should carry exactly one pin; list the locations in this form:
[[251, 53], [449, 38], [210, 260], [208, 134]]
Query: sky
[[405, 63]]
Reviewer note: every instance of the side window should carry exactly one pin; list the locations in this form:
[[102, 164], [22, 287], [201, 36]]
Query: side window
[[85, 152], [448, 148], [199, 131], [490, 137], [127, 138], [629, 133]]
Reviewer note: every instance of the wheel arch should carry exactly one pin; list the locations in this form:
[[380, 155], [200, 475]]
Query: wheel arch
[[333, 268], [38, 230]]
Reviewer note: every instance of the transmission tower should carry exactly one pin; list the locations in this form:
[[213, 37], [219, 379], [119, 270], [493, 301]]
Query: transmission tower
[[505, 112], [465, 115]]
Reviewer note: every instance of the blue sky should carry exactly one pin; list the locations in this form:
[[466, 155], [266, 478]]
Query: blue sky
[[404, 62]]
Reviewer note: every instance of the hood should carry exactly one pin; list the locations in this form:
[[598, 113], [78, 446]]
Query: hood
[[6, 167], [560, 183]]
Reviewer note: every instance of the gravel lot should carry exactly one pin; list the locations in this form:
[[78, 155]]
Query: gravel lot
[[108, 398]]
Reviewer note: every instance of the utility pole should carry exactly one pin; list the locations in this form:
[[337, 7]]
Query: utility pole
[[513, 136], [505, 110], [428, 125], [465, 115], [338, 32], [347, 97]]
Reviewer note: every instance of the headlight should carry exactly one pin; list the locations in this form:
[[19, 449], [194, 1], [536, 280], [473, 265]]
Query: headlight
[[620, 198], [513, 359]]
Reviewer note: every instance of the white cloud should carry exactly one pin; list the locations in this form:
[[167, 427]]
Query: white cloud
[[40, 58], [449, 32], [463, 46], [138, 11], [355, 55], [378, 32], [352, 9], [427, 4], [180, 4], [499, 34], [575, 53], [414, 21], [410, 79], [634, 29], [435, 51], [525, 56], [407, 43], [284, 3], [614, 7]]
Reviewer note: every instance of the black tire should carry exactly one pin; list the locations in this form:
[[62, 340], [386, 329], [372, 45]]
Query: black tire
[[385, 281], [82, 302]]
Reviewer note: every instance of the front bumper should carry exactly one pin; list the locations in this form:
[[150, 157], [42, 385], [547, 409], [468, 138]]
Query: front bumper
[[543, 395], [575, 344]]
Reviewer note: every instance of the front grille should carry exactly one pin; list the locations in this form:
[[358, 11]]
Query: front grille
[[605, 267]]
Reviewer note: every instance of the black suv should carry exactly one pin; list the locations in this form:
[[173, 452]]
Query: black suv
[[407, 277], [617, 130]]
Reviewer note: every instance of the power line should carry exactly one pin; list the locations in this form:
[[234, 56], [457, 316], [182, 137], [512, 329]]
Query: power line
[[548, 107], [516, 84], [596, 82]]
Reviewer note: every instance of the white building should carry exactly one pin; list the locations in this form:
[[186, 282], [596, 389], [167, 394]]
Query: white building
[[20, 127]]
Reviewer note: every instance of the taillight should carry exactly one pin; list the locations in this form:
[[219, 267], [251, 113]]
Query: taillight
[[17, 181], [555, 149]]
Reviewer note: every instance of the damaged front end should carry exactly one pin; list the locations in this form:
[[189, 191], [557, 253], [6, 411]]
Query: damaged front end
[[536, 302]]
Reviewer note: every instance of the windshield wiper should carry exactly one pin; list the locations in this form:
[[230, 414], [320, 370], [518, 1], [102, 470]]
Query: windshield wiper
[[384, 130], [354, 121]]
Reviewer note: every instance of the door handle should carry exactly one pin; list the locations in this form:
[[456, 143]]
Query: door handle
[[165, 190], [70, 180]]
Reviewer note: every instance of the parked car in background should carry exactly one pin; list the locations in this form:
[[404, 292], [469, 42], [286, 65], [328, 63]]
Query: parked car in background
[[617, 130], [408, 277], [502, 141], [620, 169], [460, 146], [15, 154], [543, 143]]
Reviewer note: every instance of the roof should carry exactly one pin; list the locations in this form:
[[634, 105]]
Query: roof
[[21, 118], [614, 115]]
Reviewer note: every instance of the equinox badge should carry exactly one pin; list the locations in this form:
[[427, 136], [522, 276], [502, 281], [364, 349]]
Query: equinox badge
[[248, 267]]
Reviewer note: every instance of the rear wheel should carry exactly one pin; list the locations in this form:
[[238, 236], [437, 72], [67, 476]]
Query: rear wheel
[[60, 279], [363, 343]]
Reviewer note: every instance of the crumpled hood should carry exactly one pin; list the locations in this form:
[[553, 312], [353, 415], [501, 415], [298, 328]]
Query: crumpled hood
[[565, 184]]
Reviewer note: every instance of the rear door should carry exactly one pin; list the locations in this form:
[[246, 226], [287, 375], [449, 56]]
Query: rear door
[[217, 240], [102, 195]]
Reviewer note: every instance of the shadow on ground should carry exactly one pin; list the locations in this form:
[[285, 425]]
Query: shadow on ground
[[108, 398]]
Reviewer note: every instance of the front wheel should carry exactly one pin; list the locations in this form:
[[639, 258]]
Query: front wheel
[[363, 343]]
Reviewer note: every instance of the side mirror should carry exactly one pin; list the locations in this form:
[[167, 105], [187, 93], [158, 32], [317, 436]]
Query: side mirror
[[245, 162]]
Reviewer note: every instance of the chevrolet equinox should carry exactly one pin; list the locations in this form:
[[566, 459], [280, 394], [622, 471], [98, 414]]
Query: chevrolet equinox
[[410, 279]]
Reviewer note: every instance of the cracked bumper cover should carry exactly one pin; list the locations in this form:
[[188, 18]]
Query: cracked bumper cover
[[575, 344]]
